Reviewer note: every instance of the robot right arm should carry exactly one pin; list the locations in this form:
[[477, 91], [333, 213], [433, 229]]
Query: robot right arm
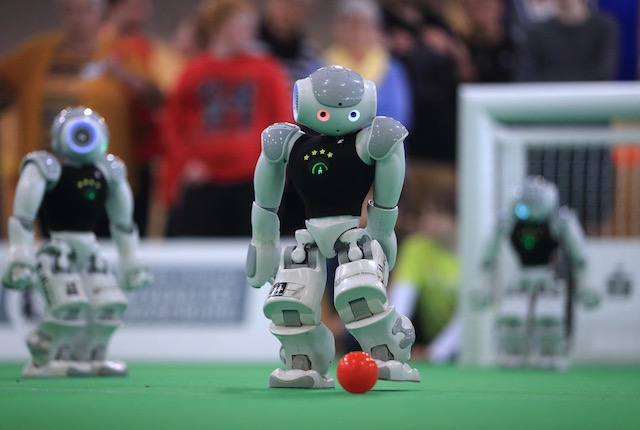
[[263, 255], [483, 297], [39, 171], [501, 230]]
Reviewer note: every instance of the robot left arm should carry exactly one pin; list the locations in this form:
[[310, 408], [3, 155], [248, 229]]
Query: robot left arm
[[39, 170], [384, 146], [124, 232], [571, 237]]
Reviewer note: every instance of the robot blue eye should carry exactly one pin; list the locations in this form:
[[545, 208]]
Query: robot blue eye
[[354, 115], [323, 115], [82, 137], [521, 211], [295, 102]]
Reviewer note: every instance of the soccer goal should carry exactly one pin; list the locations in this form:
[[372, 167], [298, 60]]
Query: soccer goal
[[586, 139]]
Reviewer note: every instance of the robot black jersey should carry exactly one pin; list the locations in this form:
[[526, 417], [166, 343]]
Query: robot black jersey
[[76, 201], [533, 242], [329, 175]]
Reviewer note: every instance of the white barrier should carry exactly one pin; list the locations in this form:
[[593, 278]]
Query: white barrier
[[199, 308]]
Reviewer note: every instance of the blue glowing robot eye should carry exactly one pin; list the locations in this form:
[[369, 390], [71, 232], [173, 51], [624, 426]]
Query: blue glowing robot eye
[[354, 115], [295, 102], [522, 211], [82, 137]]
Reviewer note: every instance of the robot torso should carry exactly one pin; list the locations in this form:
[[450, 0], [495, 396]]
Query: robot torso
[[533, 242], [329, 175], [77, 199]]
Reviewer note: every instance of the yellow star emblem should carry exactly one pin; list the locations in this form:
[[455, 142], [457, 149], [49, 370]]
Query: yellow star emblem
[[314, 152], [329, 154], [306, 157], [322, 151]]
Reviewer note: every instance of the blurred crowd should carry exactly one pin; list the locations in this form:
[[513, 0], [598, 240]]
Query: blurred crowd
[[185, 112]]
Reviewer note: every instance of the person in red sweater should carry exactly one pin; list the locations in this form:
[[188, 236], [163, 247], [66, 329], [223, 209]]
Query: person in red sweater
[[223, 100]]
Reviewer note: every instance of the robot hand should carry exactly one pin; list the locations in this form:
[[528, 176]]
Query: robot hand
[[19, 275], [481, 298], [136, 277], [588, 297], [262, 264]]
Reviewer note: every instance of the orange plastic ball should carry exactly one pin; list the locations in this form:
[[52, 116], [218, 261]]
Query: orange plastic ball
[[357, 372]]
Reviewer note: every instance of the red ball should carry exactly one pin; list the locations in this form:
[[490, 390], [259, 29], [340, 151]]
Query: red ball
[[357, 372]]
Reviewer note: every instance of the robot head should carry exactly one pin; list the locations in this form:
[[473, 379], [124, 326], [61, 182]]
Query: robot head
[[535, 200], [79, 134], [334, 101]]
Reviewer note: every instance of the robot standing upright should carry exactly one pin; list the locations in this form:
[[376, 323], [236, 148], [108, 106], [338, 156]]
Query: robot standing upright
[[332, 171], [84, 303], [533, 325]]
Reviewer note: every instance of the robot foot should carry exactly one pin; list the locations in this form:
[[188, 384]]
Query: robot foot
[[394, 370], [297, 378], [109, 368], [551, 362], [57, 369], [512, 361]]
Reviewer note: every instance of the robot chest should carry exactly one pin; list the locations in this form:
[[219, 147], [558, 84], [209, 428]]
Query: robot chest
[[323, 164], [533, 242], [81, 192]]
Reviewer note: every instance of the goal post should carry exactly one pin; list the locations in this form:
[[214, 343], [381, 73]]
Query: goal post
[[500, 129]]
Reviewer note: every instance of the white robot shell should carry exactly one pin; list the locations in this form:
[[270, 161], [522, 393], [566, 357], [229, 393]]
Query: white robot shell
[[79, 134], [334, 101], [535, 200]]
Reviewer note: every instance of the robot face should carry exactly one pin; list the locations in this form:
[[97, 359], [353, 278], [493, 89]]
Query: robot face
[[334, 101], [535, 200], [79, 134]]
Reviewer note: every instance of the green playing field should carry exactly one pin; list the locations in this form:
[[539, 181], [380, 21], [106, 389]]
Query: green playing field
[[236, 396]]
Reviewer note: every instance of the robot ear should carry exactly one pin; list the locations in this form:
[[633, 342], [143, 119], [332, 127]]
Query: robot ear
[[295, 101]]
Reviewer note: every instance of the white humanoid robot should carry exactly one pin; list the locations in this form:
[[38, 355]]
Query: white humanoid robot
[[332, 171], [84, 303], [535, 309]]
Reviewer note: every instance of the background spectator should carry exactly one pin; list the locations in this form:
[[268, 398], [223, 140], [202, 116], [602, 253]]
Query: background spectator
[[224, 98], [56, 69]]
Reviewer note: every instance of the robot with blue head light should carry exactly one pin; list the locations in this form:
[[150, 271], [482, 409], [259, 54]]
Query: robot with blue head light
[[332, 171], [84, 302], [533, 325]]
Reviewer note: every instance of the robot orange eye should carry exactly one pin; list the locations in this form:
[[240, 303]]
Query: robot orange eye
[[323, 115], [354, 115]]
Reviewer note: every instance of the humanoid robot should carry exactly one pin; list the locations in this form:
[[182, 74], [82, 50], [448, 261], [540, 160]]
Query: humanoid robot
[[332, 171], [534, 325], [84, 302]]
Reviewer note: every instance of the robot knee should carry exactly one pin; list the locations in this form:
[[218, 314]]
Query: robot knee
[[108, 302], [360, 285], [296, 296]]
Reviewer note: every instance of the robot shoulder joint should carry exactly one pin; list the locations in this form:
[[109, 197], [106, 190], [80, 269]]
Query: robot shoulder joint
[[113, 169], [277, 140], [386, 133], [48, 165]]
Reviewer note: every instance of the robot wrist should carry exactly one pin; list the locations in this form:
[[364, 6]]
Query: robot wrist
[[126, 239], [265, 225], [21, 237], [381, 221]]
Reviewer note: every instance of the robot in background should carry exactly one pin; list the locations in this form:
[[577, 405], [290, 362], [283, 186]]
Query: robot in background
[[332, 171], [84, 303], [534, 325]]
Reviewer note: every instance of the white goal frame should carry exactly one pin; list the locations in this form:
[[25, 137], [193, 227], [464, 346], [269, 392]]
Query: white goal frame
[[510, 115]]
